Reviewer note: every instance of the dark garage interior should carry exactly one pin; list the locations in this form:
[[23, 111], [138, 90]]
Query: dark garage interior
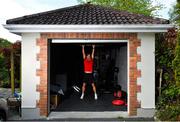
[[109, 73]]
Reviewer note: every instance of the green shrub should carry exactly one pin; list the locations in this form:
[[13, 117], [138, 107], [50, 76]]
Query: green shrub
[[169, 113], [168, 107], [165, 53], [176, 61], [5, 84], [17, 83]]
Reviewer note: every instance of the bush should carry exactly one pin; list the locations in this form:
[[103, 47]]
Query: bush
[[168, 59], [176, 61], [17, 83], [169, 113], [6, 84], [5, 65], [168, 107], [165, 54]]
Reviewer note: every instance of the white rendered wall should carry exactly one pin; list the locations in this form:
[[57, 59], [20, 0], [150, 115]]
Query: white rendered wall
[[29, 66], [147, 66]]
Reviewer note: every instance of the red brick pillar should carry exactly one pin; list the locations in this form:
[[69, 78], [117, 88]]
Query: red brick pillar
[[134, 73], [42, 88]]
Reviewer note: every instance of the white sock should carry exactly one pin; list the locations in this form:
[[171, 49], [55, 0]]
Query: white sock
[[82, 96], [95, 96]]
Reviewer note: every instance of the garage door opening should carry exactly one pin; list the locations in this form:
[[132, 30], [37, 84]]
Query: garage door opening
[[109, 73]]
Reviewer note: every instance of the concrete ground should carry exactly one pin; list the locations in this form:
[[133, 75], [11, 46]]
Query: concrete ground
[[110, 119], [99, 119], [14, 115]]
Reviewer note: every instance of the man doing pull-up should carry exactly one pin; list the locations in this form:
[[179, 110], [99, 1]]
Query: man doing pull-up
[[88, 71]]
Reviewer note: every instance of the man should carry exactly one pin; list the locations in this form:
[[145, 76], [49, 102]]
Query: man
[[88, 71]]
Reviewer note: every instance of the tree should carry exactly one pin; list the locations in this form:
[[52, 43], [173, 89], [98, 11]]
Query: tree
[[11, 57], [4, 69], [168, 106], [176, 61], [174, 13], [177, 11], [4, 43], [144, 7]]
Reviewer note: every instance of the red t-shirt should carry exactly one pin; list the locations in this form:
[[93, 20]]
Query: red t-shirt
[[88, 65]]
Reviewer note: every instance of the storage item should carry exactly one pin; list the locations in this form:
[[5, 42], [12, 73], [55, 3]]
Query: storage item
[[14, 103], [118, 94], [55, 100], [61, 79], [56, 89], [118, 102]]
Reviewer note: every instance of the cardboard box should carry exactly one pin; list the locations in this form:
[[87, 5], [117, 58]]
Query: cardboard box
[[55, 100]]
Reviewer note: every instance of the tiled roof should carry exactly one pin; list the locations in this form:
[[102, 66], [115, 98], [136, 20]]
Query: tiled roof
[[86, 14]]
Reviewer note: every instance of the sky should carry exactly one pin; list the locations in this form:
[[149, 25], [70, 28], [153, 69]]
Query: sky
[[15, 8]]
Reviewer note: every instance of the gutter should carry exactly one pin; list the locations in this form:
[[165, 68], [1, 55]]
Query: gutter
[[18, 28]]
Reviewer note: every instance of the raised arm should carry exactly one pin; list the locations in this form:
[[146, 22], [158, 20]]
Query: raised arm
[[93, 50], [83, 52]]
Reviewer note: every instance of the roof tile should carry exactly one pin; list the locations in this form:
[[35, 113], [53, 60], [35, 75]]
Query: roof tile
[[86, 14]]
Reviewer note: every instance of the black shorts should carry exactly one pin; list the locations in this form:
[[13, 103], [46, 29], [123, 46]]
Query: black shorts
[[88, 78]]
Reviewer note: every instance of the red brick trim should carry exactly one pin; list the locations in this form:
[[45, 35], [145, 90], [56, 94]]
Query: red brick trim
[[134, 73], [138, 57], [139, 73], [139, 88], [42, 73], [138, 104]]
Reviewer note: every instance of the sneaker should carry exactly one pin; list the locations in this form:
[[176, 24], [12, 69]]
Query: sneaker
[[82, 96], [95, 96], [76, 88]]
